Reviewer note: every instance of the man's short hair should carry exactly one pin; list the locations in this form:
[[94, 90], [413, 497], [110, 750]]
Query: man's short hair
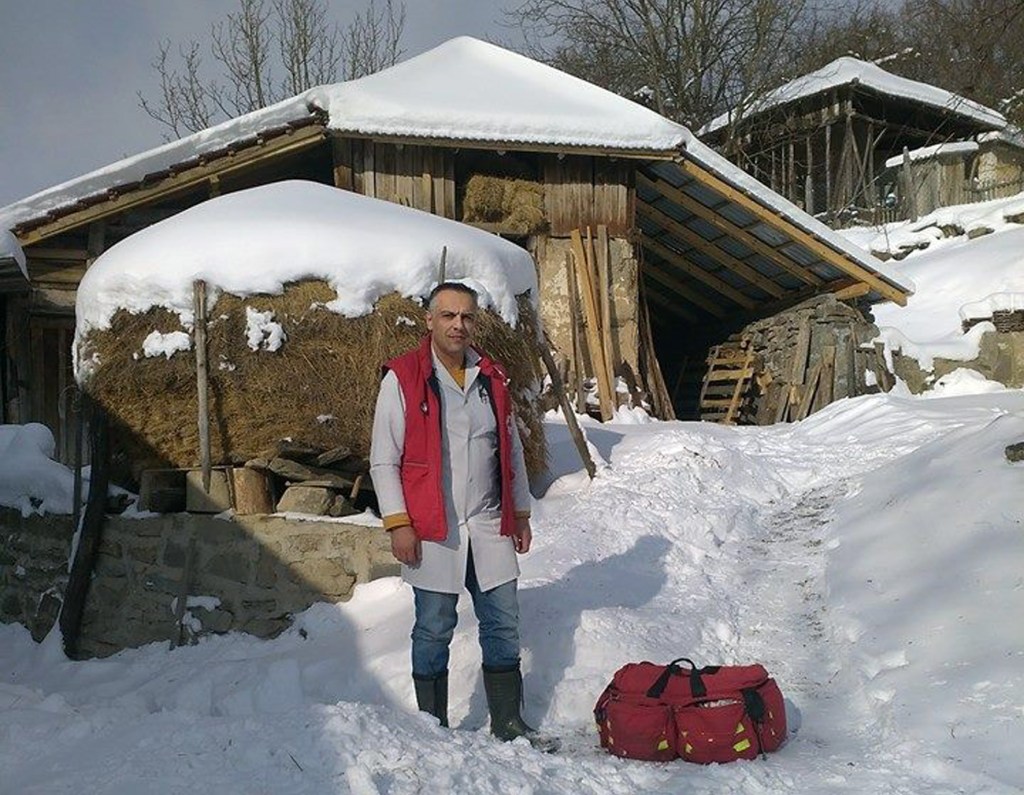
[[457, 287]]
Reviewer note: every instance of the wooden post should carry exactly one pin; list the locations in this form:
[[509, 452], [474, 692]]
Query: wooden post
[[908, 185], [202, 378], [441, 267], [809, 180], [184, 586], [828, 170], [76, 491], [583, 271], [77, 588], [570, 416]]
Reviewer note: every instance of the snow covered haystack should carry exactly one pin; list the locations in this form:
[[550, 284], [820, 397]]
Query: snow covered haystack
[[309, 290]]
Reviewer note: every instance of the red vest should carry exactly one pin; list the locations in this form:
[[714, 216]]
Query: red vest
[[420, 469]]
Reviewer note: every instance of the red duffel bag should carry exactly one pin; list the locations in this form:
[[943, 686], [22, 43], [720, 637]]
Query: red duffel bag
[[718, 713]]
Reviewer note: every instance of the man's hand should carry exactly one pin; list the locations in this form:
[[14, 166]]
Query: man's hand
[[523, 536], [405, 545]]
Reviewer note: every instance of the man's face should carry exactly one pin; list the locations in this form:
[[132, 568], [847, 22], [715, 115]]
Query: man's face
[[452, 321]]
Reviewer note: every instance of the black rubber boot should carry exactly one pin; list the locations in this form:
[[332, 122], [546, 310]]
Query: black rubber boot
[[432, 696], [504, 688]]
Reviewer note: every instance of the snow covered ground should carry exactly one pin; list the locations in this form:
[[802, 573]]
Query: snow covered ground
[[870, 556]]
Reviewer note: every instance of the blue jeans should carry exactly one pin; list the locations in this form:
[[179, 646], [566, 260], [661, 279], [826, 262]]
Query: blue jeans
[[497, 612]]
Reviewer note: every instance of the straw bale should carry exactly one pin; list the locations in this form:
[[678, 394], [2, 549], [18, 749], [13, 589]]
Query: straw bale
[[319, 388], [516, 204]]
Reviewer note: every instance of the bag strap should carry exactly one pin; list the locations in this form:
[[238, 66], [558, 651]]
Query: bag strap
[[754, 706], [697, 687]]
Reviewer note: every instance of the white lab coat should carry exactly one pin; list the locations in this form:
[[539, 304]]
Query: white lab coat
[[469, 456]]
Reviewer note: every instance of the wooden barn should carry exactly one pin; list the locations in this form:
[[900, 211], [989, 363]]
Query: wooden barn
[[823, 141], [650, 248]]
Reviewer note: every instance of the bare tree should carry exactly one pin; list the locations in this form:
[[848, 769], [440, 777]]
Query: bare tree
[[262, 54], [689, 59]]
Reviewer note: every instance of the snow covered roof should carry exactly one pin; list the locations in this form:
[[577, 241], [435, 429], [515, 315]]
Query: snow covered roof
[[846, 70], [467, 89], [258, 240], [462, 90], [926, 152]]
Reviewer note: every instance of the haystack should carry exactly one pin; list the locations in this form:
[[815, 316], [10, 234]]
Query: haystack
[[319, 387], [517, 205], [311, 374]]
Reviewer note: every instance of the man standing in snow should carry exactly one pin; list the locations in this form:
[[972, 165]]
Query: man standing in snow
[[447, 466]]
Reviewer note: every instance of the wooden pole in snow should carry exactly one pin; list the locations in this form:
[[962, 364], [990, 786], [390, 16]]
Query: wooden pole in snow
[[441, 267], [202, 378]]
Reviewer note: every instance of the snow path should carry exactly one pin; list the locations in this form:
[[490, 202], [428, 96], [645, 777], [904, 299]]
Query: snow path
[[695, 540]]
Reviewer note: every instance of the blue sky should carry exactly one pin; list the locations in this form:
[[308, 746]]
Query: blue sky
[[70, 72]]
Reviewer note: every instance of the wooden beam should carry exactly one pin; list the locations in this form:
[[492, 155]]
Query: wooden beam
[[727, 227], [827, 253], [853, 291], [65, 254], [684, 290], [678, 260], [727, 260], [517, 146], [188, 179]]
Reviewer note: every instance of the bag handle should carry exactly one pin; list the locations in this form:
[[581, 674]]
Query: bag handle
[[697, 687]]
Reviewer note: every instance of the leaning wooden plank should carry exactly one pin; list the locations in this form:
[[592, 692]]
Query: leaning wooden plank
[[570, 416], [604, 301], [574, 330], [583, 271], [808, 396]]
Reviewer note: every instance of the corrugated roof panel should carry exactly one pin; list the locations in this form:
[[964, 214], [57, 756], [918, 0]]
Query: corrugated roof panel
[[738, 215], [799, 254], [702, 228], [773, 237], [732, 246], [669, 172], [703, 194]]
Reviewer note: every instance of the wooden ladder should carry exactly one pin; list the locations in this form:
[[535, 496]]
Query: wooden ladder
[[727, 382]]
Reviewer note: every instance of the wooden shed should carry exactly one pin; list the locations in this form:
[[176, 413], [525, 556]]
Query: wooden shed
[[649, 246], [822, 140]]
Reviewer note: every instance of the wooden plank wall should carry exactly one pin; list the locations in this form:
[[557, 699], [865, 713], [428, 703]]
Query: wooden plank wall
[[581, 191], [422, 177]]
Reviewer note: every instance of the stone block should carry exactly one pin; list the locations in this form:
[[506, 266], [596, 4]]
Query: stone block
[[175, 553], [313, 500], [216, 620], [108, 566], [196, 498], [329, 578], [232, 565], [46, 616], [267, 627], [163, 490]]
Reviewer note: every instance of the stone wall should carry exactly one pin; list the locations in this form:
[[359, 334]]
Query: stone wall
[[253, 571], [1000, 358]]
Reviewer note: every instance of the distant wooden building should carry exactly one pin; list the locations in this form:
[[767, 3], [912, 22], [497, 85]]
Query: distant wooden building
[[673, 247], [824, 139]]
